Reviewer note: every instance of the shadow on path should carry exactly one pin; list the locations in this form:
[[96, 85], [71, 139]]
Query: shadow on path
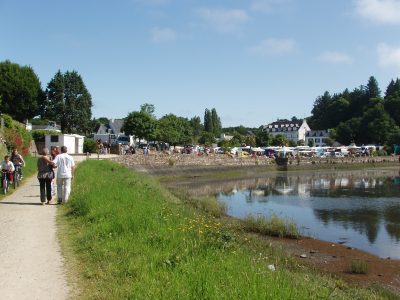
[[19, 203]]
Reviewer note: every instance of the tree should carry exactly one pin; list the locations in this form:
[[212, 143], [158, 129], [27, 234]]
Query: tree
[[20, 91], [347, 132], [208, 122], [197, 127], [174, 130], [148, 108], [373, 88], [68, 102], [207, 138], [262, 137], [139, 124], [216, 123], [279, 140], [393, 89]]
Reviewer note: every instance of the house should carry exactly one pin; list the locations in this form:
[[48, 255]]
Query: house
[[317, 137], [294, 130], [51, 125], [109, 132], [73, 142]]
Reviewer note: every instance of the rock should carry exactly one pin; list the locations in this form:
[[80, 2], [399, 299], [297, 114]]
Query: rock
[[303, 256], [350, 248], [380, 274], [313, 251]]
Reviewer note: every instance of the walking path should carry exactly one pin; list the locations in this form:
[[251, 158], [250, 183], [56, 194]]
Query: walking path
[[31, 265]]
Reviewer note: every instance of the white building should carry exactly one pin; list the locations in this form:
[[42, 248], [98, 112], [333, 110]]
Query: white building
[[293, 130], [73, 142], [318, 137]]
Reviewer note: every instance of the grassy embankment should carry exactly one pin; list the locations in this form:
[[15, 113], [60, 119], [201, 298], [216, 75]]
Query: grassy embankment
[[29, 169], [126, 237]]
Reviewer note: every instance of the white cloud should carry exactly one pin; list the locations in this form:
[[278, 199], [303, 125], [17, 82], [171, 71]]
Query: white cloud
[[335, 57], [162, 35], [224, 20], [388, 56], [379, 11], [266, 5], [273, 46]]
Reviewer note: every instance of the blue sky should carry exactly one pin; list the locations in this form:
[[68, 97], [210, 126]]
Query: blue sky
[[254, 61]]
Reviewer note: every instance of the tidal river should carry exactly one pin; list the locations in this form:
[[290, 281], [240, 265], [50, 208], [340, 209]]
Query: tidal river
[[359, 209]]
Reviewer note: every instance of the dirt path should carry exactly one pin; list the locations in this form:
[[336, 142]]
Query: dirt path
[[31, 265]]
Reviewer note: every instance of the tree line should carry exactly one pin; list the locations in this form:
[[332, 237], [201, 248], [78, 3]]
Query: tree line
[[65, 100], [361, 116]]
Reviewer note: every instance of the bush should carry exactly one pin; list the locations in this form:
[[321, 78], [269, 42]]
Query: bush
[[16, 136], [90, 146], [39, 135]]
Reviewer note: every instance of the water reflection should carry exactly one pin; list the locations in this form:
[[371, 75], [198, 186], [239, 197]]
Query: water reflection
[[361, 208]]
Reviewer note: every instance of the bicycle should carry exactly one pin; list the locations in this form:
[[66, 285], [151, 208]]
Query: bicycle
[[17, 176], [4, 181]]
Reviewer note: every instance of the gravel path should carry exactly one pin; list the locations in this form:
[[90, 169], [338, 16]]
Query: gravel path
[[31, 265]]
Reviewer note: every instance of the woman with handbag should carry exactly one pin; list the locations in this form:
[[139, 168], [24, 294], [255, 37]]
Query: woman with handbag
[[45, 175]]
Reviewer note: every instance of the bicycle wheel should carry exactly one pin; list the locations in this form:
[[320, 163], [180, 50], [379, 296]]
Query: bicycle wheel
[[16, 180], [5, 186]]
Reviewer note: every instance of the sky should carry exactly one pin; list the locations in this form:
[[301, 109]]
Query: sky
[[253, 61]]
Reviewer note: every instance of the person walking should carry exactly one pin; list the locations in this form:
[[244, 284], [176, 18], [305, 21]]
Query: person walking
[[65, 169], [45, 176]]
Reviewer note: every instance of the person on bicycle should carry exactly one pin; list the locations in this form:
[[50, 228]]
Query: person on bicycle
[[18, 161], [7, 167]]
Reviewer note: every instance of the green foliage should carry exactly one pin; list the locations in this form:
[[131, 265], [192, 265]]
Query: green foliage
[[139, 124], [360, 116], [39, 134], [90, 146], [207, 138], [15, 135], [279, 140], [68, 102], [174, 130], [20, 91], [197, 127], [262, 137], [148, 109], [132, 240]]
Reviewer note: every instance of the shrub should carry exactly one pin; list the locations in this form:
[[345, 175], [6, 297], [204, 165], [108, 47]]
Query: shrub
[[90, 146], [16, 135], [39, 135]]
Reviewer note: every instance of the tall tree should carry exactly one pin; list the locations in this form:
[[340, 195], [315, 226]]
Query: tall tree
[[69, 103], [208, 122], [393, 89], [139, 124], [373, 88], [20, 91], [216, 122]]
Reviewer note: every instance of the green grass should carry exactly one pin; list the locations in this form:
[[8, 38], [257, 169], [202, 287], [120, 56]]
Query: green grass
[[273, 226], [359, 267], [126, 237]]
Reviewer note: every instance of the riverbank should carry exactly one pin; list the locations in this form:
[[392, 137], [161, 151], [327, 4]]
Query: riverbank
[[131, 238]]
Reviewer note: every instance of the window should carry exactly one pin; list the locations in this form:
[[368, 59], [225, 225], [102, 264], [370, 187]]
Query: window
[[54, 138]]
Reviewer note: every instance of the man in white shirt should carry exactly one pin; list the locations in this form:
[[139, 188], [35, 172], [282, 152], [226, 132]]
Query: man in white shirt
[[65, 169]]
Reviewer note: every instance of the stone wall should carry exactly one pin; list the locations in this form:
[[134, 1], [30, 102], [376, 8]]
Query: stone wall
[[175, 159]]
